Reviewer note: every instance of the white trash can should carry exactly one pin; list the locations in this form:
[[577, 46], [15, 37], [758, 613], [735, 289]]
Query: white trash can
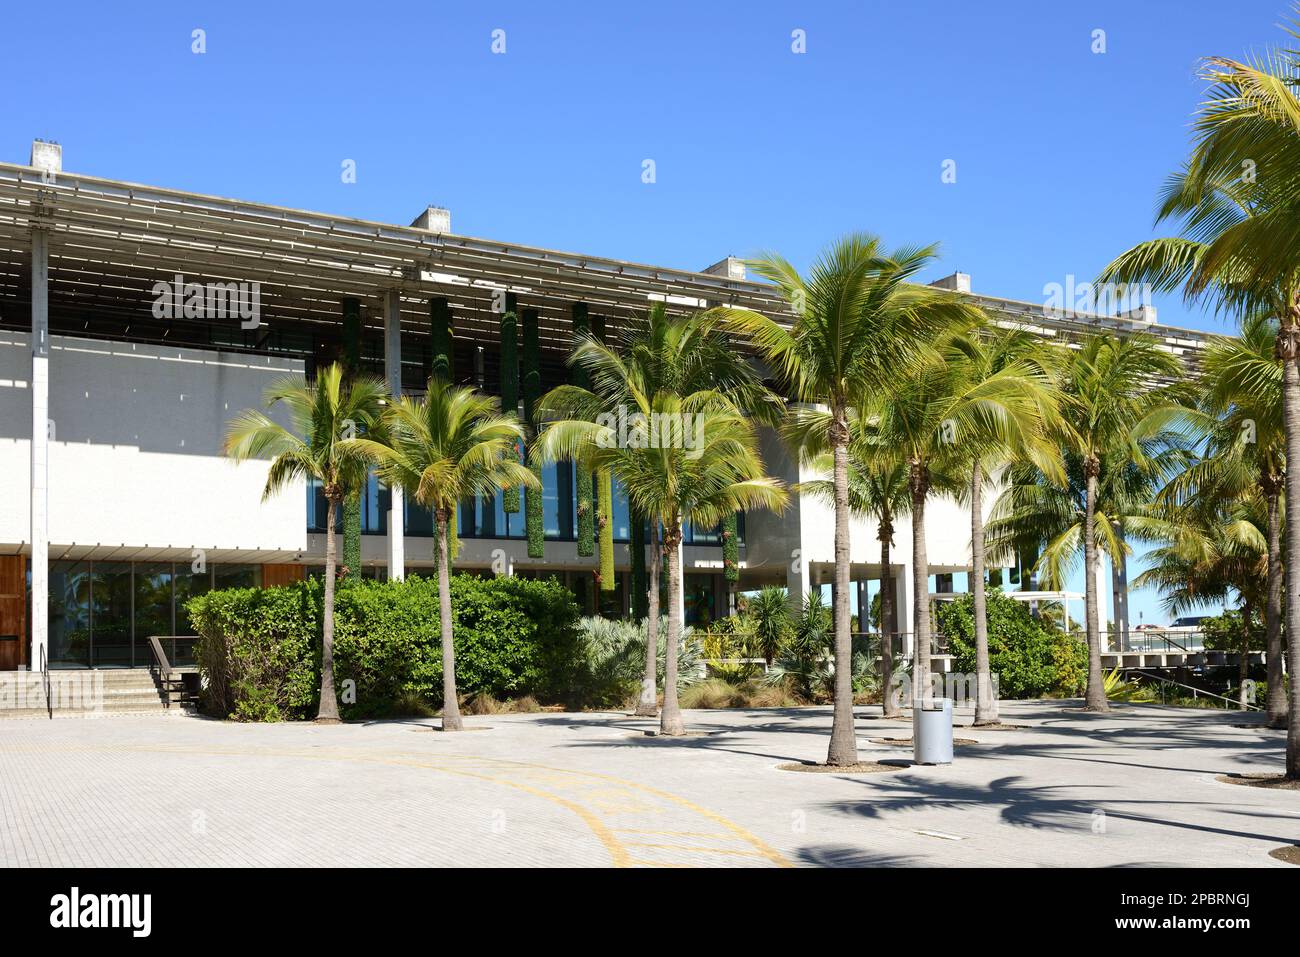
[[932, 732]]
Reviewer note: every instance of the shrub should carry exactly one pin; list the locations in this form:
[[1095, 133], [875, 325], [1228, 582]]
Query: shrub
[[611, 661], [1029, 658], [259, 649]]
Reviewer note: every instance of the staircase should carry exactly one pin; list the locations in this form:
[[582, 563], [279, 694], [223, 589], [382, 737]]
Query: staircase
[[23, 694]]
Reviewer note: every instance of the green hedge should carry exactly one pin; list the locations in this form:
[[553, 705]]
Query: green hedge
[[259, 649], [1030, 658]]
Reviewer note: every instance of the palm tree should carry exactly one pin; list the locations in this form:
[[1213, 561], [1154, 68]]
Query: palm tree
[[1017, 353], [878, 491], [1242, 252], [721, 472], [320, 444], [451, 445], [1247, 456], [1121, 425], [657, 353], [859, 322], [952, 412]]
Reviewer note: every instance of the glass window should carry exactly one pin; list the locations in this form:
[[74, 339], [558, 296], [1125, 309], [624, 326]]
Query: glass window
[[69, 615], [110, 614], [622, 514], [237, 576], [153, 604], [698, 598], [188, 584]]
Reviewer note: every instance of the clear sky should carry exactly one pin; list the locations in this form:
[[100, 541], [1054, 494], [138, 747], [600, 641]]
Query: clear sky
[[1058, 150]]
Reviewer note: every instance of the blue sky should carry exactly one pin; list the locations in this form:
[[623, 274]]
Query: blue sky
[[1059, 150]]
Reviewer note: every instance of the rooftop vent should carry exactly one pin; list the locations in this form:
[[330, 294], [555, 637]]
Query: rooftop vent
[[47, 157], [958, 282], [434, 219], [1144, 314], [731, 268]]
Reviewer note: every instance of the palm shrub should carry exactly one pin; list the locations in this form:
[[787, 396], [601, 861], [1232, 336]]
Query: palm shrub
[[321, 443]]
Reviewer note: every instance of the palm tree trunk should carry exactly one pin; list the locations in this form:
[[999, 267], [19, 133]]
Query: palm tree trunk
[[670, 719], [986, 702], [1276, 705], [1095, 699], [450, 705], [328, 711], [843, 748], [1243, 665], [1288, 345], [648, 706], [918, 481], [888, 703]]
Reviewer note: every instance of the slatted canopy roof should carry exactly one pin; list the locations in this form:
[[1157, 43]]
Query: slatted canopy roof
[[111, 241]]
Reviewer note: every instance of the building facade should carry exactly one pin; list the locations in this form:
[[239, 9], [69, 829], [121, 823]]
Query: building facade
[[136, 321]]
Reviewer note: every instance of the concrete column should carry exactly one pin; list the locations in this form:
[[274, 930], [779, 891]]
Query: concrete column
[[40, 449], [393, 378], [1119, 599], [1103, 588], [797, 583], [903, 606], [864, 606]]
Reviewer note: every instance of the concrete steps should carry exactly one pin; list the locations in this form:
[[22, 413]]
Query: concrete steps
[[80, 693]]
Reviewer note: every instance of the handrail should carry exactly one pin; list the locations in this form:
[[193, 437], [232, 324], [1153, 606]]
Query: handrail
[[1196, 692], [160, 656], [166, 672], [45, 670]]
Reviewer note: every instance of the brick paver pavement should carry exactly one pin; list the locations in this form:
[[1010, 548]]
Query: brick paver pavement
[[1133, 788]]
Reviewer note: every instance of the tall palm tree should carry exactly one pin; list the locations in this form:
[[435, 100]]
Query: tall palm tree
[[1245, 255], [878, 490], [1123, 416], [721, 472], [1019, 353], [951, 412], [453, 444], [1247, 456], [657, 353], [859, 322], [325, 416]]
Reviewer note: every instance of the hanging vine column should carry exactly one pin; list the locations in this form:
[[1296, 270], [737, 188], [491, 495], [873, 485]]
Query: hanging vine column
[[532, 372], [731, 558], [510, 383], [352, 500], [582, 478], [605, 526]]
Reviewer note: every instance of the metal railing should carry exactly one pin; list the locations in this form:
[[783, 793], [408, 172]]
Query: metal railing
[[170, 679], [1196, 692]]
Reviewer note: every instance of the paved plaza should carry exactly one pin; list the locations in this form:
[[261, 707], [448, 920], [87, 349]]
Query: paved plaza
[[1134, 788]]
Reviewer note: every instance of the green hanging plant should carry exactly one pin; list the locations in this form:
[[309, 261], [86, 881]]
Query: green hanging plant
[[605, 525], [586, 513], [534, 523], [510, 385], [730, 548]]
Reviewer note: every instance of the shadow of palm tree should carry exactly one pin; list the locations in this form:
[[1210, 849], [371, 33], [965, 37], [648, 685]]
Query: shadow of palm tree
[[1023, 805]]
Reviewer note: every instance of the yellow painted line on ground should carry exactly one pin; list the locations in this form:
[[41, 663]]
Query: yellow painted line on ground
[[585, 783]]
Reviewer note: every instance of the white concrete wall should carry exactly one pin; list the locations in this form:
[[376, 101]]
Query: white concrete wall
[[135, 455]]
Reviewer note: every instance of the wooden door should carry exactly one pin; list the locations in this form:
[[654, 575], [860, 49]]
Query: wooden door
[[13, 612]]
